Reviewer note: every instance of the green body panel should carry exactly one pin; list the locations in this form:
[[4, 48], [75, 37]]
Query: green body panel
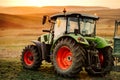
[[101, 42], [73, 36], [46, 38], [77, 37]]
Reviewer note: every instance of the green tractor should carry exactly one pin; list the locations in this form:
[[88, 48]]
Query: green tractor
[[70, 44]]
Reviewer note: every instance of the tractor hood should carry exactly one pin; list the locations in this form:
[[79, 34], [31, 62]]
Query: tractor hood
[[100, 42]]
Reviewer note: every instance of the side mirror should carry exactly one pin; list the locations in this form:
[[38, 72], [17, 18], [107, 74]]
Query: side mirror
[[44, 20]]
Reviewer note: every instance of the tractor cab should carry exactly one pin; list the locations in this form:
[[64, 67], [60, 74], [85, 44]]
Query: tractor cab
[[74, 23], [117, 39], [70, 23]]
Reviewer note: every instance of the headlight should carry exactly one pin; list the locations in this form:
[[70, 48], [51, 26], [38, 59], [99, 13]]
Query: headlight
[[81, 39]]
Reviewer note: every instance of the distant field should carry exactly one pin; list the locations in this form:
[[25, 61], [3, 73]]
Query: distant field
[[12, 41]]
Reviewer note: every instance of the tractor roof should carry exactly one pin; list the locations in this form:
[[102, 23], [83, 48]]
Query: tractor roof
[[74, 14]]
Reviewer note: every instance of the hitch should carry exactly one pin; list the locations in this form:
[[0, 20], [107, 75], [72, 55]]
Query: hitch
[[92, 71], [116, 64]]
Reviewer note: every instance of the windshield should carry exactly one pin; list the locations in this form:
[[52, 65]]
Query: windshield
[[87, 26], [72, 24], [84, 25]]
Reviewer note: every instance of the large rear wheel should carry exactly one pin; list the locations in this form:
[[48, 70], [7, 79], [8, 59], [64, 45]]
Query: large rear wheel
[[68, 58], [30, 58]]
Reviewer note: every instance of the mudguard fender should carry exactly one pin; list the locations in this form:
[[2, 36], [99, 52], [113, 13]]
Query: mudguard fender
[[40, 47]]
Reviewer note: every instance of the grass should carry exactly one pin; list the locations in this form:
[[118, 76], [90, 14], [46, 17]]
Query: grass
[[11, 46], [11, 69]]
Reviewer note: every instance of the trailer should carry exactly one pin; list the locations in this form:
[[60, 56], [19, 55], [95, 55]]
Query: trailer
[[116, 47]]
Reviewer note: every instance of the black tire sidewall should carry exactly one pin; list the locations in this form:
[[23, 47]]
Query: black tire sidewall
[[36, 62], [107, 65], [77, 58]]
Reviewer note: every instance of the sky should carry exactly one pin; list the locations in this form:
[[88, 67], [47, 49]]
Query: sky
[[40, 3]]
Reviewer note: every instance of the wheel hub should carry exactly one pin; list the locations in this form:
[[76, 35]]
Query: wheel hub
[[28, 58], [31, 58], [64, 57], [101, 58], [69, 58]]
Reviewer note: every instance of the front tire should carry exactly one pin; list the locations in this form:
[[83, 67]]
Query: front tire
[[106, 62], [68, 58], [30, 58]]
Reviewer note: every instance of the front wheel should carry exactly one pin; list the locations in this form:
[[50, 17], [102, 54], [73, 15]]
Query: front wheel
[[30, 58], [106, 62], [68, 58]]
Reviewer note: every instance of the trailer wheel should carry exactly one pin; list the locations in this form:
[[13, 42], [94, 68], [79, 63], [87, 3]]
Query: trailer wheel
[[106, 62], [30, 58], [68, 58]]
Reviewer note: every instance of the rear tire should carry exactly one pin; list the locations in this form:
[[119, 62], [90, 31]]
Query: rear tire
[[30, 58], [68, 58], [106, 62]]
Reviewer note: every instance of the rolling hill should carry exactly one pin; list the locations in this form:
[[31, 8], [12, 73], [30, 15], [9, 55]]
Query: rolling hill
[[8, 21], [31, 17]]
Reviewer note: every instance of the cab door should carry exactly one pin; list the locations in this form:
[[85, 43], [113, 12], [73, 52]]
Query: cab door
[[59, 27]]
